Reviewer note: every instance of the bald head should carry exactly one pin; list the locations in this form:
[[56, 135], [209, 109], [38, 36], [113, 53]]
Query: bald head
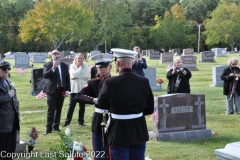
[[124, 63]]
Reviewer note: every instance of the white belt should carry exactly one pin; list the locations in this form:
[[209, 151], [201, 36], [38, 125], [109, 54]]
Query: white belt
[[126, 116], [100, 110]]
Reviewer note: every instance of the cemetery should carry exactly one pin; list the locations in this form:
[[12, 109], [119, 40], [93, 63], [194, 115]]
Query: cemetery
[[194, 124]]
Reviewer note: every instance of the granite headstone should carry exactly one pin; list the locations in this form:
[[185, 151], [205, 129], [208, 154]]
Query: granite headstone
[[166, 57], [68, 61], [216, 76], [37, 81], [38, 58], [218, 52], [207, 56], [21, 60], [230, 152], [181, 116], [150, 73], [189, 62], [188, 52]]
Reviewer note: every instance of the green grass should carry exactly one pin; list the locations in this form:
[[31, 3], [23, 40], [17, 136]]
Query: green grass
[[227, 127]]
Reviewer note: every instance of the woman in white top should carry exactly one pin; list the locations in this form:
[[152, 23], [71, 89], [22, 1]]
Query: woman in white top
[[79, 76]]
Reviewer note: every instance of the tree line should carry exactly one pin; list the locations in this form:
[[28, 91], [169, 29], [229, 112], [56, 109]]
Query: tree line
[[86, 25]]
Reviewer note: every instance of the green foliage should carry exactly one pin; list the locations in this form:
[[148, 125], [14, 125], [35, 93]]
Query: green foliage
[[56, 21], [224, 26]]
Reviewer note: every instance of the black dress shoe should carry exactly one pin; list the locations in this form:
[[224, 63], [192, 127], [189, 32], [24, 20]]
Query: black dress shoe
[[47, 132], [58, 130], [81, 124], [65, 125]]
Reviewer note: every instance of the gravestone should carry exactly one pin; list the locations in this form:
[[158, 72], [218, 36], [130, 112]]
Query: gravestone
[[38, 58], [72, 56], [216, 76], [0, 57], [207, 56], [188, 52], [144, 52], [230, 152], [61, 55], [37, 81], [68, 61], [154, 54], [218, 52], [20, 145], [21, 60], [166, 57], [176, 50], [33, 53], [66, 53], [181, 116], [18, 53], [189, 62], [93, 53], [44, 54], [150, 74]]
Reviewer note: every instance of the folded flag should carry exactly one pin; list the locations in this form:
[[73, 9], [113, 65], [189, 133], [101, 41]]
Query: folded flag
[[21, 70], [41, 95], [154, 116]]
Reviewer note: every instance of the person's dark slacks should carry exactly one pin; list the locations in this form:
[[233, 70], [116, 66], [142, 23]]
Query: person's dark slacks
[[55, 103], [72, 105]]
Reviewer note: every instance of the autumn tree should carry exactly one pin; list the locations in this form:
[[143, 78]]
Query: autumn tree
[[169, 30], [56, 22], [224, 26]]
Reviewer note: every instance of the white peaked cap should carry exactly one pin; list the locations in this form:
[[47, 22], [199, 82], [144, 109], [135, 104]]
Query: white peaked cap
[[98, 58], [123, 53]]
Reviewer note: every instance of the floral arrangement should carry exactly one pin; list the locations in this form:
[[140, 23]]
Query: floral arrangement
[[159, 80], [33, 136], [70, 149]]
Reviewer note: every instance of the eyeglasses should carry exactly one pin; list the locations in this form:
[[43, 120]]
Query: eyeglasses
[[5, 69], [234, 64]]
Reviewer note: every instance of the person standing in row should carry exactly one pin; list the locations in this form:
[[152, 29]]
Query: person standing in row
[[139, 62], [231, 86], [9, 113], [88, 95], [57, 87], [79, 76], [178, 78], [128, 104]]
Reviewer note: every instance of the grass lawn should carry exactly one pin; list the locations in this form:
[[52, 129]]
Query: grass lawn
[[227, 126]]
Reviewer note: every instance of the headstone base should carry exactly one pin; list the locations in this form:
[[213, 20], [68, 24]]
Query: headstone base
[[215, 85], [183, 135], [156, 88], [21, 147], [231, 151]]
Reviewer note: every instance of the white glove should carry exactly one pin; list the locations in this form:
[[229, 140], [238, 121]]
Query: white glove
[[95, 100]]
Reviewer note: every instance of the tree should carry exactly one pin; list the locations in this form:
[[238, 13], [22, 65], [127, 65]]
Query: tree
[[56, 21], [169, 31], [224, 26], [110, 18]]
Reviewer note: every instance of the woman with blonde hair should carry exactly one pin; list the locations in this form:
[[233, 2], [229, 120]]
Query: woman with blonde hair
[[231, 86], [79, 76]]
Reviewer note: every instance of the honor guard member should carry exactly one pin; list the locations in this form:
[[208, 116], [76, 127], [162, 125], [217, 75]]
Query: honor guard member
[[128, 97], [89, 95]]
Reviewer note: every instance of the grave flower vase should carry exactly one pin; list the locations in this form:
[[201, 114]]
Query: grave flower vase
[[30, 149]]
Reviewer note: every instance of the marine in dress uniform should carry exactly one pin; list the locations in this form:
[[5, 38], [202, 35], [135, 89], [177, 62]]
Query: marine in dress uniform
[[128, 97], [88, 94]]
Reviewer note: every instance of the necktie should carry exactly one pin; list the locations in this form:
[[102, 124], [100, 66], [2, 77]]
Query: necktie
[[59, 83]]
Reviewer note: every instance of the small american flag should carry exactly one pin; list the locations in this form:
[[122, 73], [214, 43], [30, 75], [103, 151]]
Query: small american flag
[[21, 70], [154, 116], [41, 95], [168, 67]]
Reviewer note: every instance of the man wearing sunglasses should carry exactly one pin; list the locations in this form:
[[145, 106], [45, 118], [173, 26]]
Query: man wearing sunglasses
[[9, 115], [57, 87]]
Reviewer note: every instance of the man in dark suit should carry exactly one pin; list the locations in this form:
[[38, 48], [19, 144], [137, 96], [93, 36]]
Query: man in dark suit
[[9, 114], [139, 63], [57, 87], [128, 97]]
